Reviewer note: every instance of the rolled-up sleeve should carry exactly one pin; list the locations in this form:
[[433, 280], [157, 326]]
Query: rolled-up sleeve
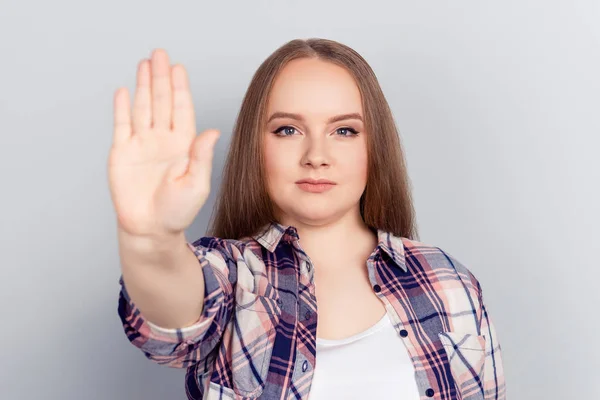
[[183, 347], [494, 385]]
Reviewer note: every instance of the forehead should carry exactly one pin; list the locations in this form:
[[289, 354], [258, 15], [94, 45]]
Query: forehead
[[312, 86]]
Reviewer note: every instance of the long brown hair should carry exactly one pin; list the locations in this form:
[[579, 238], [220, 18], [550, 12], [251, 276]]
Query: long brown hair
[[243, 205]]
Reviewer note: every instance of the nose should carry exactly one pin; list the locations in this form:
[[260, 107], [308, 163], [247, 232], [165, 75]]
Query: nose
[[315, 152]]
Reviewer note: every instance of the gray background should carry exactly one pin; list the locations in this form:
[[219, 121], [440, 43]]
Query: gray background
[[498, 106]]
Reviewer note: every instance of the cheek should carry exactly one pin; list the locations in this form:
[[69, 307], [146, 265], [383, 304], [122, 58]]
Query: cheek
[[277, 161], [353, 165]]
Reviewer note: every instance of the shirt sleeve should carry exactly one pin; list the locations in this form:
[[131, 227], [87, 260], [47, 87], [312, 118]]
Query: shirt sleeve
[[184, 347], [494, 385]]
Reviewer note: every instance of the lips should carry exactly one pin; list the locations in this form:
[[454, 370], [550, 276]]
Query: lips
[[316, 181], [315, 187]]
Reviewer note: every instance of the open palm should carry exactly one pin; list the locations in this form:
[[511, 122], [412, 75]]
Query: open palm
[[158, 168]]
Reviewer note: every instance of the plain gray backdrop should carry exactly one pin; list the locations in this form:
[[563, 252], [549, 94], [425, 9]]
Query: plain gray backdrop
[[498, 107]]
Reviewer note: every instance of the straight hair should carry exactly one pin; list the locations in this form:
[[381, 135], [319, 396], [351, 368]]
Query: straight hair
[[243, 206]]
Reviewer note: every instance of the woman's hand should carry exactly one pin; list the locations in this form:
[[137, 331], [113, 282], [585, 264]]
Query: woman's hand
[[159, 170]]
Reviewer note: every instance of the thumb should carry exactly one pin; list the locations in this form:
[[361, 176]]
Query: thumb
[[201, 156]]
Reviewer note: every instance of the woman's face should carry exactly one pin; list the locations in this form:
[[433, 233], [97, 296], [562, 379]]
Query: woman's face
[[311, 145]]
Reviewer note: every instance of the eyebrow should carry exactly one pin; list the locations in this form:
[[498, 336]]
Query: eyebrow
[[299, 117]]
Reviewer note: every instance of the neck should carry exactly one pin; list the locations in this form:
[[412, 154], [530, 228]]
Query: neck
[[337, 242]]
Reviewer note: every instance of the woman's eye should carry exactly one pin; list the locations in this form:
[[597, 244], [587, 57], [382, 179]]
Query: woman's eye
[[347, 128], [286, 130]]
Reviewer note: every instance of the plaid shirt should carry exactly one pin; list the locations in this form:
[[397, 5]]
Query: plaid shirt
[[256, 337]]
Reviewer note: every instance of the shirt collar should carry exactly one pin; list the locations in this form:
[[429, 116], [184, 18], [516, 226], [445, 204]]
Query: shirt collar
[[271, 234]]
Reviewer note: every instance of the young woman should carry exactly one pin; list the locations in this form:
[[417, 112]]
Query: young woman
[[312, 283]]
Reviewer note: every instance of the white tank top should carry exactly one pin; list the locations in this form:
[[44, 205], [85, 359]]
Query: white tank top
[[373, 364]]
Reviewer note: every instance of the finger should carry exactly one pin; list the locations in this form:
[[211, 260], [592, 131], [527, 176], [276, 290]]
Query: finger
[[183, 108], [142, 111], [161, 90], [122, 117]]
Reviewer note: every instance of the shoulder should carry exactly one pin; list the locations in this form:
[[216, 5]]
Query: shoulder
[[227, 248], [444, 265], [233, 254]]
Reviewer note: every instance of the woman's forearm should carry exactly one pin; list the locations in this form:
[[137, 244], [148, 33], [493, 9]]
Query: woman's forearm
[[163, 278]]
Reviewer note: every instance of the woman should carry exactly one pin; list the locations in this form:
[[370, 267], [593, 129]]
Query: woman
[[395, 318]]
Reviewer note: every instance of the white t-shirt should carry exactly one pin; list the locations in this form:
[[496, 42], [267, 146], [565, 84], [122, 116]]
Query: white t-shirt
[[373, 364]]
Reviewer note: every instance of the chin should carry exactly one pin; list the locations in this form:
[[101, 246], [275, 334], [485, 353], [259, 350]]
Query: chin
[[309, 213]]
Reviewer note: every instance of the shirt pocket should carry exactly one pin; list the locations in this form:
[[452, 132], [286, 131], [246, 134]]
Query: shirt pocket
[[466, 356], [252, 340]]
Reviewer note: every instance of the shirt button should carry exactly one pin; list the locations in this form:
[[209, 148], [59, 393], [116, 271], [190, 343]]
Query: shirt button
[[307, 315], [279, 302], [377, 288], [404, 333], [429, 392], [305, 366]]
